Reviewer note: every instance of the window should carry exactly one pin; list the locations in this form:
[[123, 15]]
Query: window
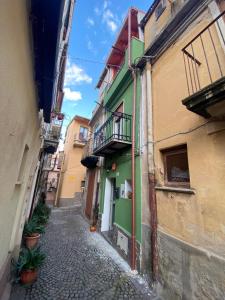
[[118, 122], [160, 8], [83, 135], [176, 166], [82, 184]]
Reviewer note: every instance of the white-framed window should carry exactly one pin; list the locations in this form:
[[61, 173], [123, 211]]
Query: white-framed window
[[83, 134], [160, 8], [176, 167]]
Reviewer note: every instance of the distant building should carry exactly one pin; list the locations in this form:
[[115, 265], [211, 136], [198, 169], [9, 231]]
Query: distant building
[[93, 163], [72, 177], [52, 168]]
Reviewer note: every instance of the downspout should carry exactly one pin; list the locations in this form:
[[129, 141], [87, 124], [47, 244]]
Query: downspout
[[151, 176], [133, 206], [133, 221]]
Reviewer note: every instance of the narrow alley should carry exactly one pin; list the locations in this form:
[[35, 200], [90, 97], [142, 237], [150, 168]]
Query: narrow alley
[[80, 265]]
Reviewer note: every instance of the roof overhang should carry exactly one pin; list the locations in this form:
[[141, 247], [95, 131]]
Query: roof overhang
[[117, 53], [46, 22]]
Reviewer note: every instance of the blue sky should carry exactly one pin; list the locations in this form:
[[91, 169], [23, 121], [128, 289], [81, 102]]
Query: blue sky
[[94, 29]]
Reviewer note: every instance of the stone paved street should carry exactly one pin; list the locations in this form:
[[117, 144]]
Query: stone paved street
[[80, 265]]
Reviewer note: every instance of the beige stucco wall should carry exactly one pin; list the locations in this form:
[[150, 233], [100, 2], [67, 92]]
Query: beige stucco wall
[[19, 122], [73, 172], [197, 219], [155, 26]]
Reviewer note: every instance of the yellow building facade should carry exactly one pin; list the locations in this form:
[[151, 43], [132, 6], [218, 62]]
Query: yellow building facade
[[72, 176], [186, 50]]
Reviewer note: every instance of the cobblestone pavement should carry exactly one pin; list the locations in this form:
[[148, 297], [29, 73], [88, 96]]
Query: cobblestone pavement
[[80, 265]]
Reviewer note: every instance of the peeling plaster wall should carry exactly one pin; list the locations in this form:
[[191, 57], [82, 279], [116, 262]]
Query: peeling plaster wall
[[189, 272], [191, 227]]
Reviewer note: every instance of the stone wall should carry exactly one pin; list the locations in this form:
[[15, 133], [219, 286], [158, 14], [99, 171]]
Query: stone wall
[[187, 272]]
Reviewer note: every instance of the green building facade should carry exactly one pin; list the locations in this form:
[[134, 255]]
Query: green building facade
[[116, 175]]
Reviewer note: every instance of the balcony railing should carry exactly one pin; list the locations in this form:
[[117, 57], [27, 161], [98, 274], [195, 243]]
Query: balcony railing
[[113, 135], [204, 58]]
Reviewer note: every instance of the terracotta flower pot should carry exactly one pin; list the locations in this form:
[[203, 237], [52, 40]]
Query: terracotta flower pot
[[31, 241], [28, 276], [92, 228]]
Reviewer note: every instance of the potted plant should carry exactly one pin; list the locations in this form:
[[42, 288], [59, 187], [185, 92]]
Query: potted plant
[[28, 263], [32, 231], [60, 116], [42, 212], [95, 218]]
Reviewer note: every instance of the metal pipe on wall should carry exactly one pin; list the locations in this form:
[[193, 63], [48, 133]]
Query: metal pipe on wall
[[133, 219], [151, 176], [133, 206]]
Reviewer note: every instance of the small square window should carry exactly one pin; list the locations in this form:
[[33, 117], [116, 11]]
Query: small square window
[[82, 184], [176, 168], [160, 8], [83, 135]]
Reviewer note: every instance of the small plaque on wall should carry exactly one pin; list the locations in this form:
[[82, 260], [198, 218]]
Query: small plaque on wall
[[122, 190]]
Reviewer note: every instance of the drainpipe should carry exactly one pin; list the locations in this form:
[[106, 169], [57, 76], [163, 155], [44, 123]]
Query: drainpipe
[[151, 177], [129, 40], [133, 206], [133, 222]]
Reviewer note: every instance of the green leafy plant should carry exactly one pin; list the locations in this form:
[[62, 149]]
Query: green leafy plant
[[30, 259], [33, 226], [42, 212]]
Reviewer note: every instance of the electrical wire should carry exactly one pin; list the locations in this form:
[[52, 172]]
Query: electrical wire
[[176, 134]]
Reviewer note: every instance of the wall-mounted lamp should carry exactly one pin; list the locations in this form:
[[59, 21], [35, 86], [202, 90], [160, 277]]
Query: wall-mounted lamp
[[113, 167]]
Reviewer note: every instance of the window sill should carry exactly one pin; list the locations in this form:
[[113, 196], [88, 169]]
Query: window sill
[[19, 182], [175, 189]]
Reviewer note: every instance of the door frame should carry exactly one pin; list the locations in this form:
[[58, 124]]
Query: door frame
[[105, 224]]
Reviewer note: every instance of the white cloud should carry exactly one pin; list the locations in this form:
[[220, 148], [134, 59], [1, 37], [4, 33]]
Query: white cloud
[[97, 11], [90, 45], [107, 15], [105, 4], [110, 19], [90, 21], [71, 95], [112, 25], [75, 75]]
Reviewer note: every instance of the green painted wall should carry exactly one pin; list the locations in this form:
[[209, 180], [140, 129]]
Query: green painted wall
[[122, 91]]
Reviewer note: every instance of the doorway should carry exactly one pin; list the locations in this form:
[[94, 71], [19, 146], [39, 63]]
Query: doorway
[[108, 216], [90, 193]]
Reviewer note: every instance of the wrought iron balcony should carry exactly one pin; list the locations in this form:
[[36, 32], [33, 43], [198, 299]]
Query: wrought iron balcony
[[52, 133], [204, 61], [113, 135]]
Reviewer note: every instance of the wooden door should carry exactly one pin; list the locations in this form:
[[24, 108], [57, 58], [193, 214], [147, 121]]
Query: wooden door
[[90, 193]]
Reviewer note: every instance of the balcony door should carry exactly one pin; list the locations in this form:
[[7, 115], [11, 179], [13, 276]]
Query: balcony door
[[118, 122]]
